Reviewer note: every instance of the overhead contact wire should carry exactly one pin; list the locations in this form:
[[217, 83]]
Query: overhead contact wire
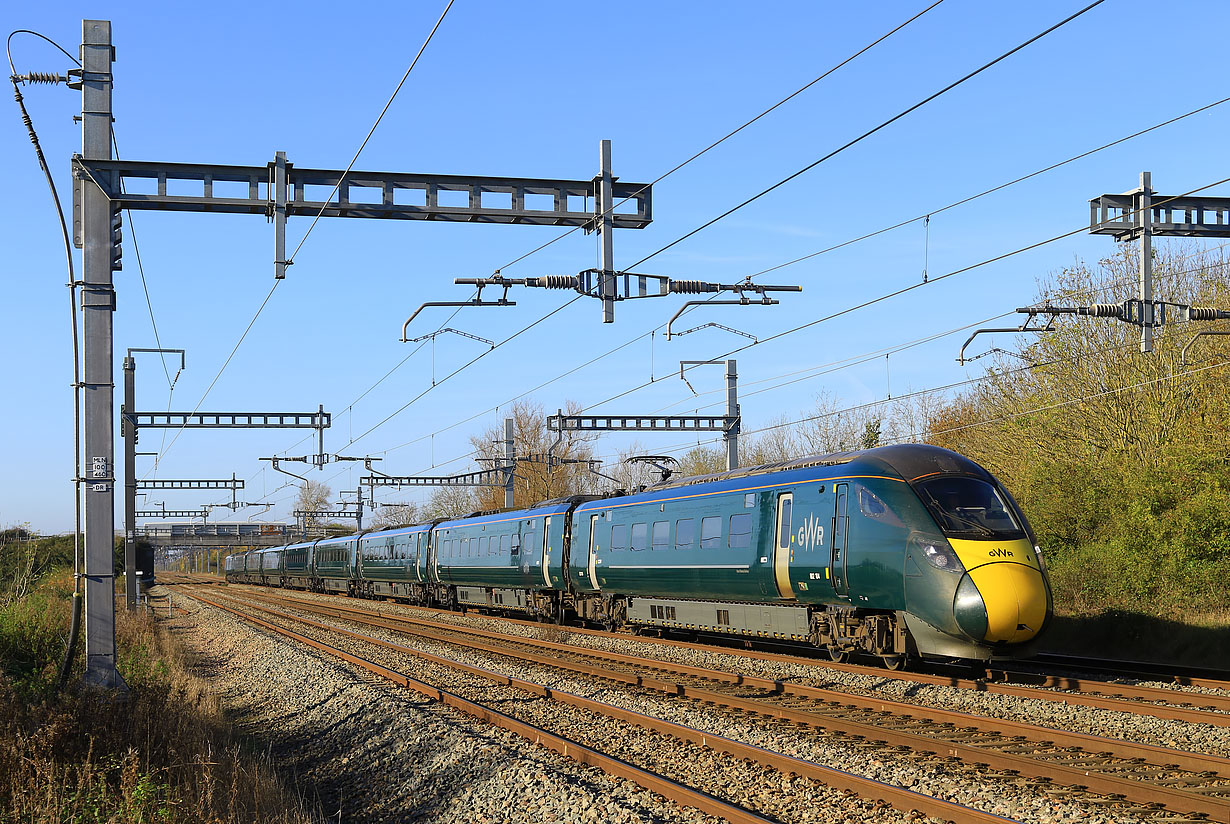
[[869, 133]]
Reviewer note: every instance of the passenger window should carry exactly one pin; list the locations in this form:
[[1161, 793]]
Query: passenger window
[[685, 533], [640, 537], [872, 506], [783, 528], [710, 532], [741, 529], [661, 534], [619, 537], [506, 544]]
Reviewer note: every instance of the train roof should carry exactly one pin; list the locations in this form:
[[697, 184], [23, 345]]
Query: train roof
[[909, 461]]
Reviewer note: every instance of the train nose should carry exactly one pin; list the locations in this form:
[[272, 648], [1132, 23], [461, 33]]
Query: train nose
[[1001, 602]]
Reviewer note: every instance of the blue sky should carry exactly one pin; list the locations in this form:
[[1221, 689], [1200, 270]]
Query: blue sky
[[529, 89]]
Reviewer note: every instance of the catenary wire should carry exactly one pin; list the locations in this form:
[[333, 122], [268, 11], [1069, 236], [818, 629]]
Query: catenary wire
[[868, 133], [838, 246], [600, 213], [372, 131], [872, 301], [680, 165]]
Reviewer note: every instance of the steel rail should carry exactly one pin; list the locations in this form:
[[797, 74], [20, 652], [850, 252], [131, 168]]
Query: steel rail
[[535, 735], [1113, 690], [1140, 670], [1080, 772], [899, 797], [1170, 712]]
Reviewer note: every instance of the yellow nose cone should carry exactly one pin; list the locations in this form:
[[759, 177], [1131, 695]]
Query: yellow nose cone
[[1011, 584], [1015, 599]]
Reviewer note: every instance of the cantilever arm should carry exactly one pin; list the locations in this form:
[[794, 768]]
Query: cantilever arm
[[461, 303], [740, 302], [1195, 337]]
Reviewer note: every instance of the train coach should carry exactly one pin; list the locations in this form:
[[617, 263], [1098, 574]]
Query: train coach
[[897, 552]]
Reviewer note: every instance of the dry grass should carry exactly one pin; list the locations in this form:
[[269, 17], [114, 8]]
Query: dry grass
[[166, 754]]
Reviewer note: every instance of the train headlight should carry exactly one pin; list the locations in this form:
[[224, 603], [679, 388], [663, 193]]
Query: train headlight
[[1041, 560], [941, 556]]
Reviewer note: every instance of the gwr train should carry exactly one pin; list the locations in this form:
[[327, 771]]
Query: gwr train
[[899, 552]]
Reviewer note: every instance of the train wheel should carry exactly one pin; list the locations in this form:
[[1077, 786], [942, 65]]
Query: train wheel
[[838, 655], [893, 662]]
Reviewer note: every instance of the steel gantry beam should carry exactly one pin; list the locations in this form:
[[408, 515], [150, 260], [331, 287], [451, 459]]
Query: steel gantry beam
[[497, 476], [253, 190], [227, 483], [231, 420], [727, 424], [172, 513]]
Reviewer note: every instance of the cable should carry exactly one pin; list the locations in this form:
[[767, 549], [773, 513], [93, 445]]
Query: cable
[[1127, 214], [372, 131], [661, 177], [74, 629], [600, 214], [992, 190], [856, 360], [225, 364], [868, 133], [479, 357]]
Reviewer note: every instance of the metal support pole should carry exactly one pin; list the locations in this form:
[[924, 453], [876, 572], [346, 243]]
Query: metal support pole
[[732, 412], [510, 460], [358, 493], [604, 203], [97, 306], [1145, 217], [320, 444], [129, 432], [278, 196]]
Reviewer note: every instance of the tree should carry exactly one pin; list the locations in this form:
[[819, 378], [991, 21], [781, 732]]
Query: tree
[[388, 516], [540, 475], [313, 497]]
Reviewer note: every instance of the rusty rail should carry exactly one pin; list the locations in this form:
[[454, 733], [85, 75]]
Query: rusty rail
[[1076, 774], [900, 798]]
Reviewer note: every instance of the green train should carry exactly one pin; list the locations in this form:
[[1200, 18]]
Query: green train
[[898, 552]]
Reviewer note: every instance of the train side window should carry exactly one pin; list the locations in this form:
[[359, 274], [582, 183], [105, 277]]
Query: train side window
[[510, 544], [723, 617], [783, 528], [619, 537], [710, 532], [661, 534], [741, 529], [640, 537], [488, 549], [685, 533], [670, 613], [872, 506], [749, 500]]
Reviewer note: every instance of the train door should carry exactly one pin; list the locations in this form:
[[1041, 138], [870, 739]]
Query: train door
[[418, 556], [837, 553], [781, 546], [546, 550], [593, 550]]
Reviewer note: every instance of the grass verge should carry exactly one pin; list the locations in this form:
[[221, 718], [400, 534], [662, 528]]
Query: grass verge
[[165, 754]]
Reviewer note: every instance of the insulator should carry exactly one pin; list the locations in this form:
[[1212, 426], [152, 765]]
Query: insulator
[[559, 282], [1105, 310], [1201, 313], [690, 287], [50, 78]]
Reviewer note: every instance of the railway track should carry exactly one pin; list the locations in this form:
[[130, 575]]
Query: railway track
[[1135, 777], [695, 742], [1167, 703]]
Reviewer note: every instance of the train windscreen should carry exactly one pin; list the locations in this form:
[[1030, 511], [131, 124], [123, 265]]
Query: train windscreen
[[970, 507]]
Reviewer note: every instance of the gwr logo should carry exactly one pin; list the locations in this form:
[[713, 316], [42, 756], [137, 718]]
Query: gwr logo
[[811, 533], [1000, 552]]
